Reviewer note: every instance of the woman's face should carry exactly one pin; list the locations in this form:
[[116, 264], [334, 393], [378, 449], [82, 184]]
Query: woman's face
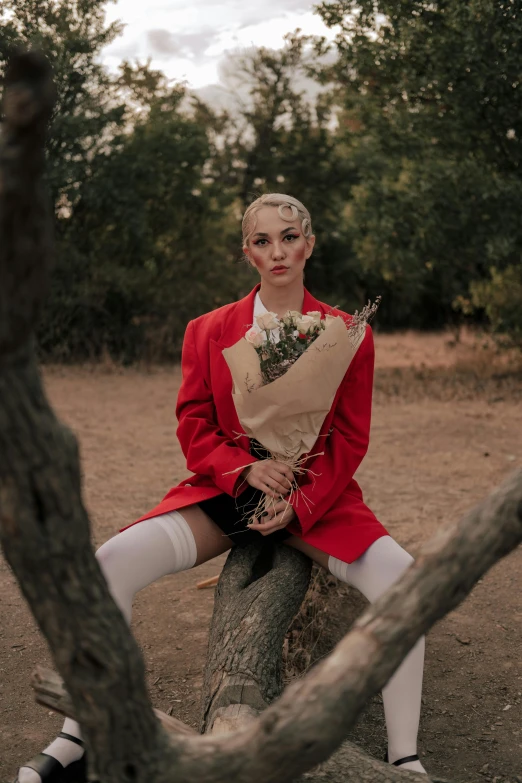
[[277, 248]]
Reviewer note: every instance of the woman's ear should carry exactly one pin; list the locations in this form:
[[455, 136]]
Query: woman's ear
[[246, 251], [310, 242]]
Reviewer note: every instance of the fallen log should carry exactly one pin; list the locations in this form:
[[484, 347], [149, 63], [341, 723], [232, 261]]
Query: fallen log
[[50, 692]]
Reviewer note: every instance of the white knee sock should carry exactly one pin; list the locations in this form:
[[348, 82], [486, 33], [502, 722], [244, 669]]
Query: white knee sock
[[372, 574], [130, 561]]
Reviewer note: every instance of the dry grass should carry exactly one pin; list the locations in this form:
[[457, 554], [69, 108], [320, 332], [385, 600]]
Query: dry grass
[[450, 348], [445, 367]]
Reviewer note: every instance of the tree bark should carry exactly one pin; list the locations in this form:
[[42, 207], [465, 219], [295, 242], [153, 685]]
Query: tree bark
[[50, 692], [25, 219], [44, 528], [260, 590], [44, 532], [312, 717], [346, 763]]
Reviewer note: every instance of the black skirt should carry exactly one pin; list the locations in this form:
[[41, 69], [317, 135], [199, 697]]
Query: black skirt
[[227, 512]]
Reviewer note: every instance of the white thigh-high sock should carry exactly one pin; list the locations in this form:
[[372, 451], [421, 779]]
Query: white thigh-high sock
[[130, 561], [373, 573]]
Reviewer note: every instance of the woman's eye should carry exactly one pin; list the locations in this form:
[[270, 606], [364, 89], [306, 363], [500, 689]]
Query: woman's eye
[[288, 236]]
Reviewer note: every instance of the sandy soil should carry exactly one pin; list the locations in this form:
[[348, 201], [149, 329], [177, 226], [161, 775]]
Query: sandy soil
[[446, 430]]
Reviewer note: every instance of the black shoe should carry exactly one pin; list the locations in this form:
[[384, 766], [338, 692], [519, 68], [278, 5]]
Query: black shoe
[[402, 761], [51, 771]]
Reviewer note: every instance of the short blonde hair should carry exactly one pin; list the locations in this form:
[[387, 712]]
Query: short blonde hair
[[289, 209]]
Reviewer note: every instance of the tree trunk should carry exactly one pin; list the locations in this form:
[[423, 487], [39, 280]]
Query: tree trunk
[[259, 592], [44, 528], [44, 532]]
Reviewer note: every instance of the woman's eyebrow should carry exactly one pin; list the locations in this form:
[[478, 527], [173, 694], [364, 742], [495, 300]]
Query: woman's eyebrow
[[284, 231]]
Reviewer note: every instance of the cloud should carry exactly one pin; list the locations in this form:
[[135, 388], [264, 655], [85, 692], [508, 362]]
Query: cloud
[[272, 9], [217, 97], [121, 50], [187, 41], [163, 43]]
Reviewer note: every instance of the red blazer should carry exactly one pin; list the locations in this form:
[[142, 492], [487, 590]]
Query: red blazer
[[335, 518]]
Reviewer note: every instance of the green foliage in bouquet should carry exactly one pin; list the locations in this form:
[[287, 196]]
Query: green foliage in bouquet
[[280, 342], [295, 332]]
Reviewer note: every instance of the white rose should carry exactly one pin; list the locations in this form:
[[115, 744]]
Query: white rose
[[255, 337], [316, 315], [267, 321], [330, 319], [305, 324], [290, 317]]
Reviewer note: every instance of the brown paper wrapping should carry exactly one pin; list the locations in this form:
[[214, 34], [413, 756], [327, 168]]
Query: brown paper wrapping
[[286, 416]]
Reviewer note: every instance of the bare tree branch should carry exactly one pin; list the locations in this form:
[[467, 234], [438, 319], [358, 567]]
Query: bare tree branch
[[25, 224], [314, 714], [44, 528]]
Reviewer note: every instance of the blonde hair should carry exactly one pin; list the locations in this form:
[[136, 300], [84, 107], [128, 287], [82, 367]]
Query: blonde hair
[[289, 209]]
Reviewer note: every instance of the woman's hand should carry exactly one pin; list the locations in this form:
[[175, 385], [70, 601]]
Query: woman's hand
[[277, 517], [270, 476]]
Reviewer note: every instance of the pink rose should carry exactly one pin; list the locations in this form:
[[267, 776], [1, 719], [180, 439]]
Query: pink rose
[[255, 337]]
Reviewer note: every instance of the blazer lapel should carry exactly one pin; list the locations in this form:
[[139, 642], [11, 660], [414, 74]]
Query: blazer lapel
[[238, 320]]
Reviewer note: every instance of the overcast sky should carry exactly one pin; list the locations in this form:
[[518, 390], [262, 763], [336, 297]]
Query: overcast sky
[[187, 40]]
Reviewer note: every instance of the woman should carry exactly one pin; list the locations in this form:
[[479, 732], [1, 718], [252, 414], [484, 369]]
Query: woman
[[201, 518]]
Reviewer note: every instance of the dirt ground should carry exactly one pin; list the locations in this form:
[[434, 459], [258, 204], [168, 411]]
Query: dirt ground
[[447, 428]]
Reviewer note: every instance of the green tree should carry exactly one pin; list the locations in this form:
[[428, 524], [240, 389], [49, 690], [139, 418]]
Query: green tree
[[432, 114], [143, 231], [72, 33], [283, 140], [146, 246]]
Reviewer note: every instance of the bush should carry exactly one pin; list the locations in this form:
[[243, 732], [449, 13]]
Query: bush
[[500, 298]]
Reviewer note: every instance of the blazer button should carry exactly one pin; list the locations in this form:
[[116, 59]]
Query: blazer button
[[188, 485]]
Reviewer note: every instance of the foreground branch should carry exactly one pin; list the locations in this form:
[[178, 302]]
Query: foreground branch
[[314, 715], [50, 692], [44, 529], [348, 763], [25, 223]]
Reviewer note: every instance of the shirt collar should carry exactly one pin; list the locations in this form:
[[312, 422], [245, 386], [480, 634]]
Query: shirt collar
[[259, 307]]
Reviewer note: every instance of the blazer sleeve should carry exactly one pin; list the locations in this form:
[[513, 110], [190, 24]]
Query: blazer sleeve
[[207, 449], [345, 445]]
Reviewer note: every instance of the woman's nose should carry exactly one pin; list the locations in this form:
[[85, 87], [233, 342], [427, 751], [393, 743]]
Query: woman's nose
[[278, 251]]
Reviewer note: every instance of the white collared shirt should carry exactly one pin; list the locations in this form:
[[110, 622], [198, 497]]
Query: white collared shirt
[[259, 309]]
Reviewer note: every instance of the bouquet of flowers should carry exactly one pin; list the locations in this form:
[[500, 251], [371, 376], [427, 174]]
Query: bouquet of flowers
[[293, 334], [285, 377]]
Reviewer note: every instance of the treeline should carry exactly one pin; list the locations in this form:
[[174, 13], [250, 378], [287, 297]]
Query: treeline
[[408, 158]]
